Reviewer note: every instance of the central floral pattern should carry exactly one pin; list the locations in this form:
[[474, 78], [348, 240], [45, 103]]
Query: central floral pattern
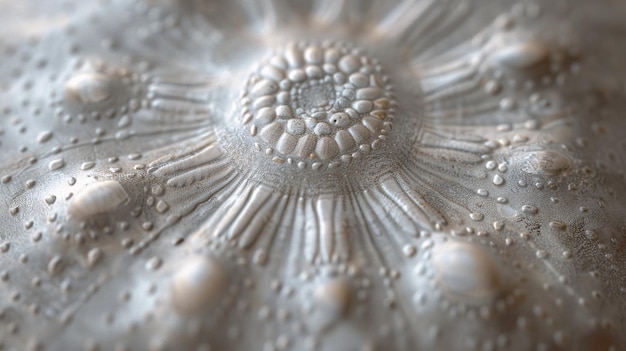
[[318, 105]]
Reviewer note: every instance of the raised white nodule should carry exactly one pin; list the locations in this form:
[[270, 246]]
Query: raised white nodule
[[466, 272], [196, 285], [88, 88], [97, 198]]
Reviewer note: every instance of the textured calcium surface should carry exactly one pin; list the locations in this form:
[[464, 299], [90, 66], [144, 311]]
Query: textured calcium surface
[[334, 175]]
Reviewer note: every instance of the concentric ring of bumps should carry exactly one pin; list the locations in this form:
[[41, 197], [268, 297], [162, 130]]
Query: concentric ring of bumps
[[318, 104]]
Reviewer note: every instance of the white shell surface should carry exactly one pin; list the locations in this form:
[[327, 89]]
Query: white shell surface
[[327, 175]]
